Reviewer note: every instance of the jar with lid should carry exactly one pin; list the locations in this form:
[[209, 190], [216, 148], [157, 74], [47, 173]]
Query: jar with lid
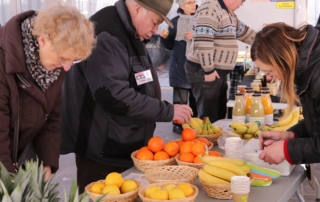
[[248, 102], [268, 108], [239, 111], [257, 110], [263, 89]]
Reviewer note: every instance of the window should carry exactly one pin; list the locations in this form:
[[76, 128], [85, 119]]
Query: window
[[313, 11]]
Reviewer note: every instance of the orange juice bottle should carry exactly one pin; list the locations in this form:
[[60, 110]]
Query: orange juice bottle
[[239, 111], [257, 110], [267, 105], [249, 94]]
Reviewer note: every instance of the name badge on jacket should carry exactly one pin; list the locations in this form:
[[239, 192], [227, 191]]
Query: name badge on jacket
[[143, 77]]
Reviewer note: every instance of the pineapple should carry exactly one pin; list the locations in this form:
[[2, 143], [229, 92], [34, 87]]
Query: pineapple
[[28, 185]]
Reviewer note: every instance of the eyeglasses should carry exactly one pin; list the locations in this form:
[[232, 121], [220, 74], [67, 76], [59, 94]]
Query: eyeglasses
[[190, 2], [65, 62], [243, 1]]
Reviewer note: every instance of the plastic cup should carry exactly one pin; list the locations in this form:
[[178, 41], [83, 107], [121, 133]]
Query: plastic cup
[[233, 147], [240, 197], [240, 188]]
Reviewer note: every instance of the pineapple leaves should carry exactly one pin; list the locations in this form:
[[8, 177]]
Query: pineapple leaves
[[5, 179]]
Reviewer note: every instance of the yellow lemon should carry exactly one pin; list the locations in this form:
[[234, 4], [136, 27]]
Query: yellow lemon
[[176, 193], [169, 187], [159, 194], [186, 188], [97, 187], [128, 185], [114, 178], [150, 190], [111, 190]]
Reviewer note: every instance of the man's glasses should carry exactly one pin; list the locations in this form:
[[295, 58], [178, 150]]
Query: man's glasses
[[190, 3], [65, 62]]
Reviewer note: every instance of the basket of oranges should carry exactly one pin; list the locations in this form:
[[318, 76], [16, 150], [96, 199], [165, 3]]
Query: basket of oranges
[[171, 173], [173, 191], [189, 159], [155, 154], [115, 189]]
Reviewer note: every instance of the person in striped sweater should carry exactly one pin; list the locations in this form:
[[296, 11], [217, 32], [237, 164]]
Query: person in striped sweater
[[213, 53]]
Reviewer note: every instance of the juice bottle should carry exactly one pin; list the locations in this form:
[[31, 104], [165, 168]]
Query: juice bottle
[[257, 110], [249, 98], [267, 105], [239, 111]]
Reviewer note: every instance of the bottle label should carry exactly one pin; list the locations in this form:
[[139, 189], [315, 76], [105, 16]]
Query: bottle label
[[239, 118], [269, 119], [259, 120]]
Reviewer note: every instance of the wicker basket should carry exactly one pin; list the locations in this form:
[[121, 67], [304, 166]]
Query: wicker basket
[[162, 185], [219, 191], [144, 165], [212, 137], [127, 197], [172, 173], [182, 163]]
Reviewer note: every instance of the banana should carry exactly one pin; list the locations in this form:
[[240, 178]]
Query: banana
[[199, 121], [228, 166], [294, 120], [185, 125], [218, 172], [245, 169], [236, 124], [247, 136], [286, 118], [210, 130], [207, 159], [249, 124], [301, 117], [235, 133], [193, 124], [199, 131], [210, 179], [253, 128], [205, 129], [215, 129], [241, 130]]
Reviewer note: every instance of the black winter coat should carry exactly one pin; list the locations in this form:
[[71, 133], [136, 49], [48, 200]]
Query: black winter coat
[[177, 75], [306, 148]]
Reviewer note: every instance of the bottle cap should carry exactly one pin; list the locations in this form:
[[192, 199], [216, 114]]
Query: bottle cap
[[265, 92], [264, 88], [238, 94], [256, 95], [250, 91]]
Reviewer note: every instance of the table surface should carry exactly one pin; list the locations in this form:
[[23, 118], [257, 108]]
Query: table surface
[[281, 189]]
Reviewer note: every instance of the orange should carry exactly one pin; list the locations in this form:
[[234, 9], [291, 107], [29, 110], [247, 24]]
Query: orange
[[188, 134], [179, 142], [155, 144], [177, 122], [187, 157], [214, 153], [171, 148], [204, 140], [160, 155], [198, 148], [195, 141], [197, 159], [145, 155], [186, 147], [142, 149]]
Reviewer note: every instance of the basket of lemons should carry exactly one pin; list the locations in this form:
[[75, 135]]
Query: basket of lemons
[[114, 189], [168, 191], [171, 173]]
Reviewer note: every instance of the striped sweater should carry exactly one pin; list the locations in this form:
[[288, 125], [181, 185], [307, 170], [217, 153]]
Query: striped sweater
[[215, 37]]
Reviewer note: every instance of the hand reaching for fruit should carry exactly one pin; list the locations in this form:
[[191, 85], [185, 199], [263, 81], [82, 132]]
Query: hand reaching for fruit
[[182, 113]]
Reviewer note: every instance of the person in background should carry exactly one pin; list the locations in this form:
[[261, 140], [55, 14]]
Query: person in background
[[213, 54], [292, 56], [179, 40], [36, 50], [111, 101]]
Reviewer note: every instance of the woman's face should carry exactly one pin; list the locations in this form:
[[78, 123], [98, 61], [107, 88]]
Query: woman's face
[[189, 7], [50, 58], [268, 69]]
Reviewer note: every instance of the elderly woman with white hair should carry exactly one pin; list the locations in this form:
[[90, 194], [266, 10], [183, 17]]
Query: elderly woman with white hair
[[178, 40]]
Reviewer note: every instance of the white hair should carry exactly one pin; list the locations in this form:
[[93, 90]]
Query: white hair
[[180, 2]]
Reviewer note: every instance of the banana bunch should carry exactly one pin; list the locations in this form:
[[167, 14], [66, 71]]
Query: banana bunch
[[207, 128], [288, 120], [219, 170], [245, 130]]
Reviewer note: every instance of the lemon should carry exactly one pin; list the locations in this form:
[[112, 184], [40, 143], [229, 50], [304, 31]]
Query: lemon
[[128, 185], [111, 190], [186, 188], [150, 190], [169, 187], [176, 193], [114, 178], [97, 187], [159, 194]]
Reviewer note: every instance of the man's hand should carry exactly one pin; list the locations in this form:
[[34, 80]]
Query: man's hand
[[282, 135], [212, 76], [47, 170], [273, 154], [182, 113], [164, 33], [189, 35]]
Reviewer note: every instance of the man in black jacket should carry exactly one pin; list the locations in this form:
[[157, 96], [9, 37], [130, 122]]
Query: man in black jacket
[[111, 101]]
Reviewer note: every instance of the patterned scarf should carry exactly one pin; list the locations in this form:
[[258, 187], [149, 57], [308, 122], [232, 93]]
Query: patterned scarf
[[42, 76], [184, 24]]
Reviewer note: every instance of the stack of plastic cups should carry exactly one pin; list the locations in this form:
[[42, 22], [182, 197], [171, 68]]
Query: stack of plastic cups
[[233, 147], [240, 188]]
